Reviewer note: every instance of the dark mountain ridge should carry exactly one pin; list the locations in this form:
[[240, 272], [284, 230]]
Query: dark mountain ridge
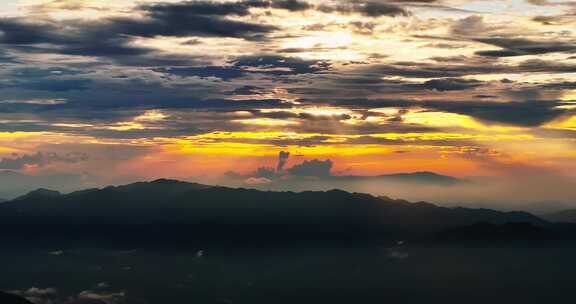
[[6, 298], [169, 209]]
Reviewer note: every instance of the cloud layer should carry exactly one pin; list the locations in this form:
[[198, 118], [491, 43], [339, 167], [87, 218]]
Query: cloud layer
[[451, 86]]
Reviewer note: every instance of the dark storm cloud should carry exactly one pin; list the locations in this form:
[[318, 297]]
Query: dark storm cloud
[[106, 120], [292, 5], [545, 66], [169, 102], [103, 109], [520, 47], [452, 67], [510, 45], [112, 37], [566, 85], [190, 8], [246, 90], [371, 8], [43, 72], [448, 84], [49, 79], [366, 8], [525, 113], [280, 65], [548, 20], [275, 65], [221, 72], [368, 81], [239, 8], [56, 85], [75, 38], [376, 9], [428, 70], [363, 103]]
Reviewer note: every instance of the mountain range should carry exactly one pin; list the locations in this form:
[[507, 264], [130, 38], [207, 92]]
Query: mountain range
[[165, 210]]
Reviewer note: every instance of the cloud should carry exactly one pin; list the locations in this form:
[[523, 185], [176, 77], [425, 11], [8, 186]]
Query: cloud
[[259, 66], [274, 176], [224, 73], [265, 173], [291, 5], [280, 65], [239, 8], [283, 157], [39, 292], [73, 5], [312, 168], [521, 47], [450, 84], [257, 181], [112, 37], [40, 159], [471, 25], [242, 66], [366, 8], [527, 114], [242, 8], [247, 90], [538, 2], [56, 85]]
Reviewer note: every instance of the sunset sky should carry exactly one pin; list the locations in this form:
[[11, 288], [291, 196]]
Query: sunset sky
[[146, 89]]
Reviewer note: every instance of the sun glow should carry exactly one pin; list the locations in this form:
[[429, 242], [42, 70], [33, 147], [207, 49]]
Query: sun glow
[[569, 95], [564, 123], [446, 120]]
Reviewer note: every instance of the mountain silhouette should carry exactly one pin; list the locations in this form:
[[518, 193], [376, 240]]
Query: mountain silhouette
[[168, 209], [40, 194]]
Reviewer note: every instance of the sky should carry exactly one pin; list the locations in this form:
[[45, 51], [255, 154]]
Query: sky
[[119, 90]]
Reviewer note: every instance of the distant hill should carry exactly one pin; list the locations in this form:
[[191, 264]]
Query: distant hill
[[415, 177], [565, 216], [169, 209]]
